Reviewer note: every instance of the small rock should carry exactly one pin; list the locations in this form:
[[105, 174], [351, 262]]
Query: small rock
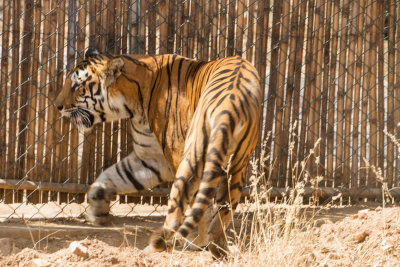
[[114, 260], [363, 216], [320, 222], [40, 263], [306, 259], [359, 238], [325, 250], [385, 246], [79, 249], [6, 246], [378, 209], [365, 211]]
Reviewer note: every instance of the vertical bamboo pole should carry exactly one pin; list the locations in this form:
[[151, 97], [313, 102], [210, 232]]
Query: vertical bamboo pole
[[381, 108], [172, 26], [214, 29], [241, 26], [126, 25], [353, 9], [26, 62], [222, 28], [297, 82], [180, 23], [315, 118], [41, 170], [304, 146], [293, 28], [250, 32], [62, 125], [325, 90], [262, 29], [133, 20], [33, 197], [364, 97], [397, 95], [391, 79], [371, 75], [142, 26], [231, 28], [152, 37], [272, 88], [199, 30], [332, 96], [193, 29], [164, 14], [280, 147], [5, 39], [118, 17], [205, 33], [13, 101], [185, 29], [357, 90], [222, 33], [51, 125], [340, 177]]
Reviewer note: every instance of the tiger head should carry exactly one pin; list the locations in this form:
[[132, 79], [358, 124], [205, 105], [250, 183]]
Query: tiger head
[[89, 94]]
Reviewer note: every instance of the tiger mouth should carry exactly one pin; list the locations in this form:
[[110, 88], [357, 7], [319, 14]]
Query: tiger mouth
[[81, 118]]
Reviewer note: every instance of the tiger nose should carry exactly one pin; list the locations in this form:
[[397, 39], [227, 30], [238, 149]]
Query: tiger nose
[[60, 107]]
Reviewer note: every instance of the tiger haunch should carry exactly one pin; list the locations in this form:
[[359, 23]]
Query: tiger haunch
[[187, 118]]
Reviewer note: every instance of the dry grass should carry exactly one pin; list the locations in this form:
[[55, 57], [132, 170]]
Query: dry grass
[[280, 234]]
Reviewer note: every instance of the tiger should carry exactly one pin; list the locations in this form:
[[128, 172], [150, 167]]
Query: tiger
[[188, 119]]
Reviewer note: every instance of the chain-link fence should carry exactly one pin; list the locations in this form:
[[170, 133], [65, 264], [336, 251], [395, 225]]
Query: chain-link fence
[[331, 72]]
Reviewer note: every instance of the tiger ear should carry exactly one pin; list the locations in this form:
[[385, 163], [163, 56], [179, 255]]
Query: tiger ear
[[91, 52], [113, 70]]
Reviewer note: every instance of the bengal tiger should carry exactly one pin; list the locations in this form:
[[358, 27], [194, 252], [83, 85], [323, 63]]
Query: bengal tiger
[[187, 118]]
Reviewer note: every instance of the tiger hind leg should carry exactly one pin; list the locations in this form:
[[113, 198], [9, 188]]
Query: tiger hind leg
[[213, 176], [227, 198], [181, 195]]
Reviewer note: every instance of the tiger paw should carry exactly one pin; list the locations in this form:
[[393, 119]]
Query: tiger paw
[[102, 219], [162, 239]]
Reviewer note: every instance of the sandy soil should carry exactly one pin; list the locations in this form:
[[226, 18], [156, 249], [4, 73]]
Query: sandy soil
[[345, 236]]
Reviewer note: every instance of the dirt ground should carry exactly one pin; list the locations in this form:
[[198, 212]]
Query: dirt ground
[[340, 236]]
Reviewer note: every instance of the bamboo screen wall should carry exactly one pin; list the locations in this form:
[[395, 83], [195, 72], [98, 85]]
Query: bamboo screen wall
[[331, 72]]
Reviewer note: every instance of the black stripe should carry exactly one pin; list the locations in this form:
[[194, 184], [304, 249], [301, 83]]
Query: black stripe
[[131, 178], [129, 111], [140, 144], [155, 171], [137, 62], [119, 173], [208, 192], [197, 213], [183, 232], [140, 132], [188, 225]]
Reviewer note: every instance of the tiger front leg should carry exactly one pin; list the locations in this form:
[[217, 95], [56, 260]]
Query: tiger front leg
[[99, 199], [130, 175]]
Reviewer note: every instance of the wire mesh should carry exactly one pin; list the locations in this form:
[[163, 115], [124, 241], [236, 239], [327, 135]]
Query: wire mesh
[[330, 70]]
